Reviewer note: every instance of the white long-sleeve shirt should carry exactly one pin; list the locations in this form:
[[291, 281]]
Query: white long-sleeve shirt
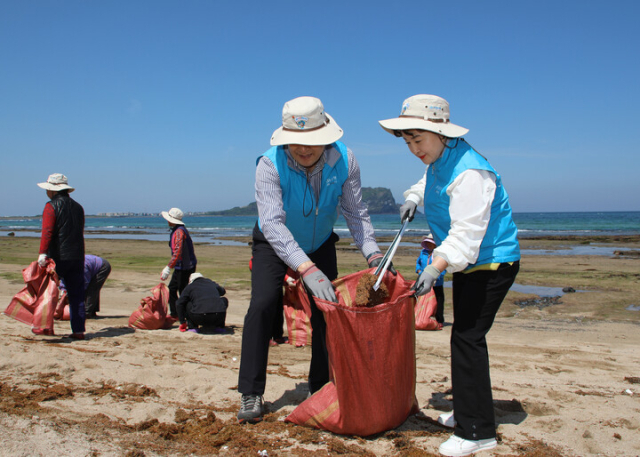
[[470, 195], [273, 217]]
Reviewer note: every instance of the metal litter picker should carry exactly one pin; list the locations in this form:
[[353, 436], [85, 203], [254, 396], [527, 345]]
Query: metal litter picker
[[386, 260]]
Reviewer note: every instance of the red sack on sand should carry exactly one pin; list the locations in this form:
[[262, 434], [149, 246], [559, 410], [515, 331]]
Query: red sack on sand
[[296, 304], [62, 312], [152, 313], [372, 362], [426, 306], [35, 304]]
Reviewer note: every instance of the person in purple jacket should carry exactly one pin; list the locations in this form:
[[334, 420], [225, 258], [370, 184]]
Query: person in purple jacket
[[96, 272]]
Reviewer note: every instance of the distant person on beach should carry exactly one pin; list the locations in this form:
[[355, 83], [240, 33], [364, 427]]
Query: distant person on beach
[[62, 240], [202, 304], [301, 183], [183, 258], [425, 258], [469, 215], [96, 272]]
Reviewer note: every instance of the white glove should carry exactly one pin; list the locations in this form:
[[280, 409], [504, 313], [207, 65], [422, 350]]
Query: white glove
[[42, 260], [165, 273]]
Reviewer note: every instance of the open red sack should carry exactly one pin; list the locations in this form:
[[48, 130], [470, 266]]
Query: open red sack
[[425, 309], [372, 362], [152, 312], [296, 304], [35, 304]]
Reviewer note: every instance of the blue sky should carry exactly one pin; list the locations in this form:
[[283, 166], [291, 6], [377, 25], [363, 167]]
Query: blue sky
[[146, 105]]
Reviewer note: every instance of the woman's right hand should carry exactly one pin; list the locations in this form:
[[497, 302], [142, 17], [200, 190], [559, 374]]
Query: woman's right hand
[[407, 211]]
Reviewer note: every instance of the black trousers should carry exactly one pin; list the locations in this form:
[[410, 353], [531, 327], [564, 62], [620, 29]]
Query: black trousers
[[212, 320], [179, 280], [92, 294], [439, 293], [72, 273], [476, 300], [267, 276]]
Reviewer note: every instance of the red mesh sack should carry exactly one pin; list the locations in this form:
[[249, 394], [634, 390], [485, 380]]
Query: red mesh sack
[[35, 304], [297, 313], [152, 312], [372, 362], [426, 306]]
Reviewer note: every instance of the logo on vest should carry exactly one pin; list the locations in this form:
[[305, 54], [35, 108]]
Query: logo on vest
[[331, 180]]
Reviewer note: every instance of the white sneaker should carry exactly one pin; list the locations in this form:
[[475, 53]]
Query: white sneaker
[[458, 447], [447, 420]]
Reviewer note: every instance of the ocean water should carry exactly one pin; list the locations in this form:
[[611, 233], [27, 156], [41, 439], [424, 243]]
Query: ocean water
[[211, 229]]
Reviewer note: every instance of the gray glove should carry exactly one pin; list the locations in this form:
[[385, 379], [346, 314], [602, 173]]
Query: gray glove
[[318, 284], [426, 280], [408, 210], [375, 258]]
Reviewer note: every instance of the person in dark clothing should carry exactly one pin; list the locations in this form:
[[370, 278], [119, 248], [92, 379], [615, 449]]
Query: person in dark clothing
[[202, 304], [183, 257], [62, 240]]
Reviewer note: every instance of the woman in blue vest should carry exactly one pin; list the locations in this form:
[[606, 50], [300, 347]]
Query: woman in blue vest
[[470, 218], [301, 183]]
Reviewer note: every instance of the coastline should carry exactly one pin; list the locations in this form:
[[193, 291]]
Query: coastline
[[561, 371]]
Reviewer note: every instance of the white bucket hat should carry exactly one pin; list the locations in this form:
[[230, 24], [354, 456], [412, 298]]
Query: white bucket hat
[[57, 182], [304, 121], [194, 276], [424, 112], [174, 215]]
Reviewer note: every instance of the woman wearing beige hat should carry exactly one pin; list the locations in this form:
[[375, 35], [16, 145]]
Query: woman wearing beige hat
[[470, 218], [62, 240], [301, 182], [183, 258]]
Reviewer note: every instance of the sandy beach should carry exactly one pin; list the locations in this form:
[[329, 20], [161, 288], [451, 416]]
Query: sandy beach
[[565, 372]]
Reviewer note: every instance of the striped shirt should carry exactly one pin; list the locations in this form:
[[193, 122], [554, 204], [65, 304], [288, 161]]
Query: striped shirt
[[273, 217]]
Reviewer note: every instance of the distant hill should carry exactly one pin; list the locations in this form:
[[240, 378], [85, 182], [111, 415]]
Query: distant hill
[[250, 210], [379, 200]]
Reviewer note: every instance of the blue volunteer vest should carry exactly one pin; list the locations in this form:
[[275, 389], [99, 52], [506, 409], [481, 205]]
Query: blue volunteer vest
[[310, 222], [500, 243]]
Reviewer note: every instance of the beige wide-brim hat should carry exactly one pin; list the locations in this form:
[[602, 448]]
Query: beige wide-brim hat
[[174, 215], [194, 276], [56, 182], [424, 112], [304, 121]]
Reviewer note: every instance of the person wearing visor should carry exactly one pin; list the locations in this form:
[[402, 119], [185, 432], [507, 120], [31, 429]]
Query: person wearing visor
[[301, 183], [468, 212]]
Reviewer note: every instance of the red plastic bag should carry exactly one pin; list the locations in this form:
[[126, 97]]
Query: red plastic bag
[[372, 362], [425, 312], [35, 304], [296, 304], [152, 313]]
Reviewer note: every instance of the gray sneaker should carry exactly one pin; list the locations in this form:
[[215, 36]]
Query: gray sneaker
[[251, 409]]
